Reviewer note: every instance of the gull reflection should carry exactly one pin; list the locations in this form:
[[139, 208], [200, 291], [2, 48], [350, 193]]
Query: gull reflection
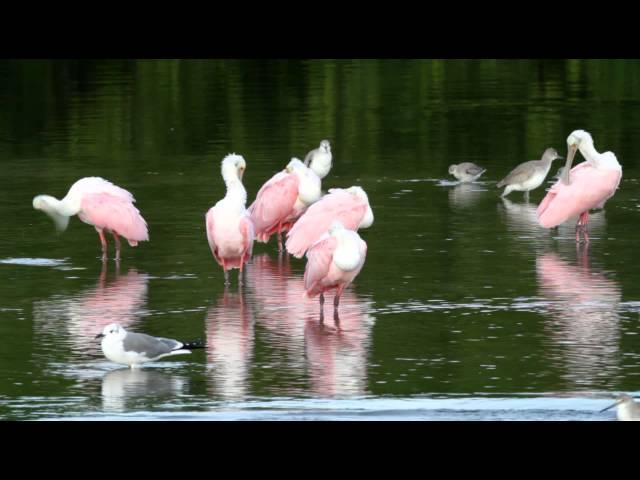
[[121, 386], [332, 353], [85, 314], [583, 325], [230, 331]]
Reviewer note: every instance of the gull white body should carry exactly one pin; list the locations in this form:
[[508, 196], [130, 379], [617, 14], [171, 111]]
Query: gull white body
[[133, 349]]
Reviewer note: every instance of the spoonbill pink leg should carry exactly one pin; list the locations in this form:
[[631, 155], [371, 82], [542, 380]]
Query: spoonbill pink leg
[[103, 242]]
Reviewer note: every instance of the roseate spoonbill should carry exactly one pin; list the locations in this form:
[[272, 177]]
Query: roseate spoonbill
[[319, 159], [466, 171], [282, 199], [529, 175], [102, 204], [349, 206], [333, 262], [230, 231], [133, 349], [628, 409], [586, 186]]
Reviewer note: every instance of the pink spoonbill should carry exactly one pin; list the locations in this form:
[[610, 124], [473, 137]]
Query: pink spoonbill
[[230, 231], [102, 204], [282, 199], [586, 186], [349, 206], [333, 262]]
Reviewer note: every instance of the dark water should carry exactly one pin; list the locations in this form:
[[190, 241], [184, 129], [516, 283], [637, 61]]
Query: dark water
[[465, 308]]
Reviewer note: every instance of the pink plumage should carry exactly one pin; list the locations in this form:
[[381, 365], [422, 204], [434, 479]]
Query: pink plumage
[[231, 245], [586, 186], [115, 215], [273, 209], [333, 262], [102, 204], [590, 187], [348, 206], [230, 231]]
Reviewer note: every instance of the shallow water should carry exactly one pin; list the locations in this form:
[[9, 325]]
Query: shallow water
[[465, 310]]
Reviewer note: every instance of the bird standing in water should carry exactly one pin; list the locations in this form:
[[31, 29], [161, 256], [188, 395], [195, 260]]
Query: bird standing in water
[[529, 175], [349, 206], [628, 409], [102, 204], [581, 188], [230, 231], [283, 198], [466, 172], [333, 262], [133, 349]]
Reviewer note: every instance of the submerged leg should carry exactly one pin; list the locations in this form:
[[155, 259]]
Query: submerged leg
[[336, 319], [117, 240], [103, 242], [242, 260], [321, 308], [581, 227]]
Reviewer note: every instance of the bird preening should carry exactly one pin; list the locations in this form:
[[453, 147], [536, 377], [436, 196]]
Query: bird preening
[[102, 204], [230, 231], [581, 188]]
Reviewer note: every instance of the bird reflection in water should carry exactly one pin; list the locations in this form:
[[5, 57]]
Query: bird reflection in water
[[522, 221], [122, 387], [465, 195], [332, 352], [118, 300], [230, 339], [584, 324]]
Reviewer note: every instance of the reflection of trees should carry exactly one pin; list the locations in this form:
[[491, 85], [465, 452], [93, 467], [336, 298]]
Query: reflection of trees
[[159, 106]]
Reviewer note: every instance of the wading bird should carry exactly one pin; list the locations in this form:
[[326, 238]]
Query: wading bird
[[333, 262], [466, 171], [229, 228], [586, 186], [528, 175], [102, 204], [133, 349], [349, 206], [282, 199]]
